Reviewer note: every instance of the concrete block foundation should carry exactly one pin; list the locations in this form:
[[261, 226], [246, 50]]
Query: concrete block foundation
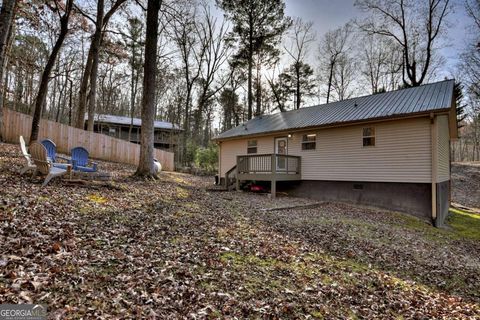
[[412, 198], [443, 202]]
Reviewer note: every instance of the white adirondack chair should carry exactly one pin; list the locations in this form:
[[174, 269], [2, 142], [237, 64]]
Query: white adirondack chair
[[39, 157], [30, 165]]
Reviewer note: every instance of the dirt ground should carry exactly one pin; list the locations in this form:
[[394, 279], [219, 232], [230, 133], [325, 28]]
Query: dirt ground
[[170, 249], [466, 184]]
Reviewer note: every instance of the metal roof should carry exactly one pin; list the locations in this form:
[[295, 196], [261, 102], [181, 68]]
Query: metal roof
[[422, 99], [108, 118]]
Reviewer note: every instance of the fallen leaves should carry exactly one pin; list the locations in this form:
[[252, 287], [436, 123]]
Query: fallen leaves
[[169, 249]]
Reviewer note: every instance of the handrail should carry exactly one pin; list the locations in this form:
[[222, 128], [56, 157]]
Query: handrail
[[268, 163], [227, 176]]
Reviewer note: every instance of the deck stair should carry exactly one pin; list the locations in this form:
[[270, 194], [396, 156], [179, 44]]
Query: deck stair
[[231, 179]]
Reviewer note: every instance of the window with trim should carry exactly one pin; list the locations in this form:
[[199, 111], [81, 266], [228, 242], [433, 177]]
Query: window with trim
[[252, 146], [369, 137], [309, 141]]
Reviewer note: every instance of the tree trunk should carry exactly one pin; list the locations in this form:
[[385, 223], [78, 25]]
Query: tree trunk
[[94, 72], [258, 110], [297, 74], [330, 78], [250, 67], [70, 98], [17, 98], [145, 165], [7, 14], [92, 55], [82, 94], [133, 91], [62, 102], [43, 87]]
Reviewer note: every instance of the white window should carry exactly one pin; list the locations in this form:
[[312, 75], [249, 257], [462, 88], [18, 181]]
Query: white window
[[309, 141], [369, 137], [252, 146]]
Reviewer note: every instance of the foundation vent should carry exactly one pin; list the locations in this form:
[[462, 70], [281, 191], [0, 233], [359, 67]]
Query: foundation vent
[[357, 186]]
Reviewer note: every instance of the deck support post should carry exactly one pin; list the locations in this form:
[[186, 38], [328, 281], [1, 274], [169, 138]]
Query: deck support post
[[273, 186], [237, 181]]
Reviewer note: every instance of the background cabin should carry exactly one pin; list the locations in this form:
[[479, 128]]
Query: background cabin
[[165, 136]]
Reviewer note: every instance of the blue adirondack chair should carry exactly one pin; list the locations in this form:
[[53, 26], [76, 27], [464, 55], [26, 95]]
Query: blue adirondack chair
[[52, 154], [51, 149], [80, 160]]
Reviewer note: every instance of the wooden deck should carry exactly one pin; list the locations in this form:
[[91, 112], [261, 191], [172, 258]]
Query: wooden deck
[[265, 167]]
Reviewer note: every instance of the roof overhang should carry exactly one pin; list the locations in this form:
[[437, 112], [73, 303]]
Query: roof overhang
[[343, 124]]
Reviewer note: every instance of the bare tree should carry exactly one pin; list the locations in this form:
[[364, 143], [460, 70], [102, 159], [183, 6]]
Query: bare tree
[[7, 14], [380, 63], [301, 37], [133, 40], [332, 46], [470, 58], [43, 87], [473, 10], [344, 77], [92, 61], [414, 25], [145, 165], [215, 55], [192, 54]]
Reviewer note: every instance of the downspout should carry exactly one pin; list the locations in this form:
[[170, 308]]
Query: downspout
[[433, 139]]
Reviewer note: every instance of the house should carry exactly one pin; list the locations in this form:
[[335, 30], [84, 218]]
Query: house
[[165, 133], [389, 150]]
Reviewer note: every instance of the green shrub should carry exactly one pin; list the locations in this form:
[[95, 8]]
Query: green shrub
[[207, 158]]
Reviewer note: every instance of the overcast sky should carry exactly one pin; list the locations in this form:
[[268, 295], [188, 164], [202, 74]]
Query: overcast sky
[[327, 15], [330, 14]]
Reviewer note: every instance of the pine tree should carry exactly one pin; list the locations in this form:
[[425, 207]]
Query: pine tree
[[257, 29], [298, 80]]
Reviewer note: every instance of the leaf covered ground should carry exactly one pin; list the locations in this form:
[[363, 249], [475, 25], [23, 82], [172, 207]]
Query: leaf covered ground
[[466, 184], [172, 249]]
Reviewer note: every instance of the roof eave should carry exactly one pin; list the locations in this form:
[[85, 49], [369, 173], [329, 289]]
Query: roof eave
[[338, 124]]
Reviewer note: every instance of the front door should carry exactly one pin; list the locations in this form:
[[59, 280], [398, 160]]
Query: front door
[[281, 148]]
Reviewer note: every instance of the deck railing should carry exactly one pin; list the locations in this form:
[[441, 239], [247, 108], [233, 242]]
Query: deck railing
[[268, 163]]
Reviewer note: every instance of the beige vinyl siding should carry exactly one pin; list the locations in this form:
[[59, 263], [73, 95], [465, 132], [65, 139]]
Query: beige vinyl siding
[[443, 150], [229, 150], [402, 152]]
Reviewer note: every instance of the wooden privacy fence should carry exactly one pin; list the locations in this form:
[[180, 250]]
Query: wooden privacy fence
[[99, 146]]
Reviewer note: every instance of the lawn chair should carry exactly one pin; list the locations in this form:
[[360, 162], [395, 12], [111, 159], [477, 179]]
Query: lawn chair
[[51, 148], [30, 165], [52, 154], [80, 160], [40, 158]]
